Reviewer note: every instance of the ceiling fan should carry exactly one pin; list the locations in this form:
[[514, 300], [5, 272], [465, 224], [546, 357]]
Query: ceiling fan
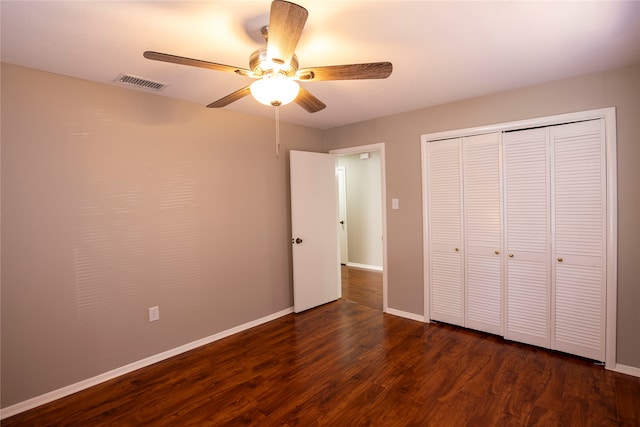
[[276, 66]]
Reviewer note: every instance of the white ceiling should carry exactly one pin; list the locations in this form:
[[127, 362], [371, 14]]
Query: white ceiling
[[441, 51]]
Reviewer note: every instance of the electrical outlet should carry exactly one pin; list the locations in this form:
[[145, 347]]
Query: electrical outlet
[[154, 313]]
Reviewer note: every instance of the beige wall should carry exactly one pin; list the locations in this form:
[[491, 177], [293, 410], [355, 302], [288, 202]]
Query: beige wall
[[114, 201], [401, 133]]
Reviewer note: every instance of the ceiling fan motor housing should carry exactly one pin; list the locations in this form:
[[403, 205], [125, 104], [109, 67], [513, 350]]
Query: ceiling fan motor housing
[[261, 64]]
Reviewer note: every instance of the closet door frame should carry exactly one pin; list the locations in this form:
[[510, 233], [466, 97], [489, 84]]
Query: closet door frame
[[609, 116]]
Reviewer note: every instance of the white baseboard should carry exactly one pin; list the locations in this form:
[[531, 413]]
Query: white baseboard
[[90, 382], [406, 315], [364, 266], [629, 370]]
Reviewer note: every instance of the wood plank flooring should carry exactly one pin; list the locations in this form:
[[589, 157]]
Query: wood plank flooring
[[346, 364], [362, 286]]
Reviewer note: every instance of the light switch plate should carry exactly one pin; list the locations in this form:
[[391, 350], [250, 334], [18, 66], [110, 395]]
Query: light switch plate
[[154, 313]]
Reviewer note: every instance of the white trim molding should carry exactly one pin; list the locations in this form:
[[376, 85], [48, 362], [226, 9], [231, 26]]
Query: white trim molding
[[609, 116], [365, 266], [407, 315], [90, 382], [628, 370]]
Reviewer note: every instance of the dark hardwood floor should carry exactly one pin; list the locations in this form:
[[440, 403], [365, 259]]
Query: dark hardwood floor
[[362, 286], [346, 364]]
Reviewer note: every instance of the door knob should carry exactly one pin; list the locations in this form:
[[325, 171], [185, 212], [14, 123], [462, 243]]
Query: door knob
[[510, 255], [297, 241], [342, 222], [457, 249], [559, 259], [497, 252]]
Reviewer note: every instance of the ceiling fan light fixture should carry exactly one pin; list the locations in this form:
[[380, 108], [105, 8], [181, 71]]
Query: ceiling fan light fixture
[[274, 89], [276, 66]]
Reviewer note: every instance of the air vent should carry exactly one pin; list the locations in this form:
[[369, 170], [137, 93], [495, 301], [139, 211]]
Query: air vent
[[139, 82]]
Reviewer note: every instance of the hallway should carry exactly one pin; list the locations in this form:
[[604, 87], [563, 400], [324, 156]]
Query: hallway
[[362, 286]]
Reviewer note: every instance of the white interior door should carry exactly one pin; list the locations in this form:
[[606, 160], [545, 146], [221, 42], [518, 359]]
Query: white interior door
[[483, 232], [314, 215], [527, 236], [446, 275], [579, 229]]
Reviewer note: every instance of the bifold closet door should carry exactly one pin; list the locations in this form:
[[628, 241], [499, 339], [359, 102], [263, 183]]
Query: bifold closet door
[[527, 240], [446, 277], [482, 232], [517, 234], [579, 231], [465, 267]]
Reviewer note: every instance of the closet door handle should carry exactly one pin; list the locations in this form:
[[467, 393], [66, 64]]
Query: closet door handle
[[457, 249], [510, 255], [497, 252], [559, 259]]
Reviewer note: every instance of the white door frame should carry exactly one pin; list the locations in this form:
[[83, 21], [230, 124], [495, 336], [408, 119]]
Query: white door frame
[[342, 216], [379, 147], [609, 116]]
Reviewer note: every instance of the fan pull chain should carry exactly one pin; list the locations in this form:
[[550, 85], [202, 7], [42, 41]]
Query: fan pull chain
[[277, 107]]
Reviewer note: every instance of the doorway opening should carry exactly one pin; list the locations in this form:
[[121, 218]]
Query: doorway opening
[[362, 286], [362, 227]]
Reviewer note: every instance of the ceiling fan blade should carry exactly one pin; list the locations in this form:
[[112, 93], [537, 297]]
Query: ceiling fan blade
[[286, 23], [309, 102], [232, 97], [372, 70], [165, 57]]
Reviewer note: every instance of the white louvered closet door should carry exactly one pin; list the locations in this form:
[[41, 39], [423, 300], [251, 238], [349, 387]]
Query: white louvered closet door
[[579, 230], [527, 242], [446, 277], [483, 232]]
